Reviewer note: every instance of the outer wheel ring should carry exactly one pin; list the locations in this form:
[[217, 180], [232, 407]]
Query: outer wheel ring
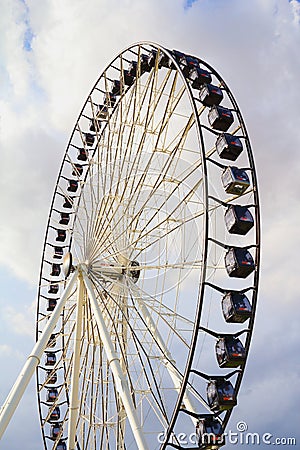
[[202, 131]]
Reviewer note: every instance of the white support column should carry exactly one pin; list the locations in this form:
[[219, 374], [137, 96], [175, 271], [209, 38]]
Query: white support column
[[32, 362], [74, 397], [168, 359], [114, 361]]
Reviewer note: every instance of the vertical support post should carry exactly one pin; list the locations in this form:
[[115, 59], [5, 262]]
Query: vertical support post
[[123, 343], [32, 362], [120, 379], [74, 397], [168, 360]]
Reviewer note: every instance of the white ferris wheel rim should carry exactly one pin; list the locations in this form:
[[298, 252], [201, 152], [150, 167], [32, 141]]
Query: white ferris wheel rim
[[143, 212]]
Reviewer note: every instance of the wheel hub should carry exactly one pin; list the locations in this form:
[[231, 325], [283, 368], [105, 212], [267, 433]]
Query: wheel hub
[[105, 269]]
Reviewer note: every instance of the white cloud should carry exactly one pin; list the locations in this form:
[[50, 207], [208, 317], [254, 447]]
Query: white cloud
[[12, 35], [296, 10], [20, 322], [5, 350]]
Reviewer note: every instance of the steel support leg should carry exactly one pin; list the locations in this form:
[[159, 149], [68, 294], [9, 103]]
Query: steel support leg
[[32, 362], [74, 397], [167, 358], [115, 365]]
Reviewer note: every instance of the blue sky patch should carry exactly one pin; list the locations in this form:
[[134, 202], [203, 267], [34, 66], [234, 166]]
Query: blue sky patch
[[188, 3], [28, 35]]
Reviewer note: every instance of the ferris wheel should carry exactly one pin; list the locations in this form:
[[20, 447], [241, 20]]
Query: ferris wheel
[[150, 266]]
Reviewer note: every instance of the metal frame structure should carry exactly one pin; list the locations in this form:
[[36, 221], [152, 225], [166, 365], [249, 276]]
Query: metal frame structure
[[114, 339], [13, 399]]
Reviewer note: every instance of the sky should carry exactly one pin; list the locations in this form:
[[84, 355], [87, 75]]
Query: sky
[[51, 53]]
